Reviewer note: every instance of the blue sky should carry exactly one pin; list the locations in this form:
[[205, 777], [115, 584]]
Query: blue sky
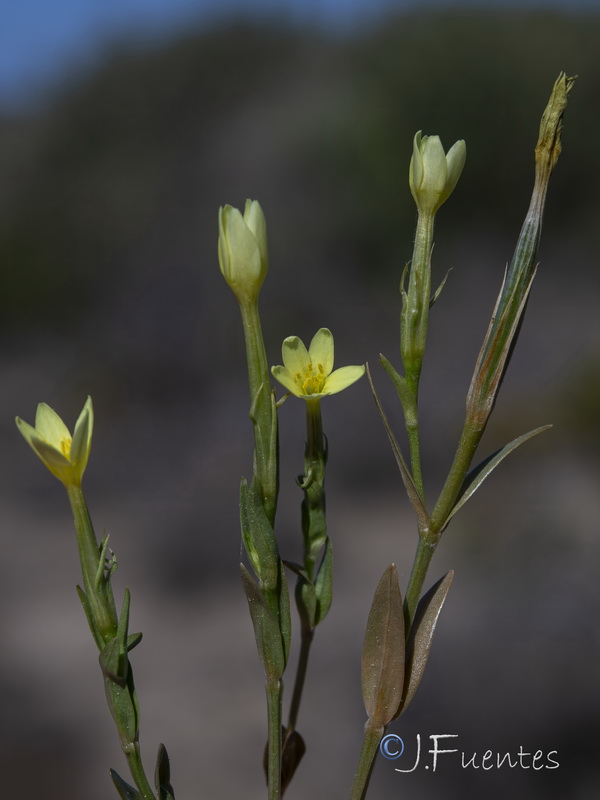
[[40, 39]]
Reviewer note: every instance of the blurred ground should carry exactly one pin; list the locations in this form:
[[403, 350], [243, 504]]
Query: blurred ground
[[109, 286]]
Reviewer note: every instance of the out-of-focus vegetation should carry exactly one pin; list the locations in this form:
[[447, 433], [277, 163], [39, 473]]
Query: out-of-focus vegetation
[[124, 163]]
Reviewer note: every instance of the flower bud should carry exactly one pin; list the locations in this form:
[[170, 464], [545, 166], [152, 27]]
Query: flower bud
[[433, 174], [243, 255]]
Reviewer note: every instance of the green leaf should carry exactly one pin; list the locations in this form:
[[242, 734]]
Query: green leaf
[[258, 534], [399, 381], [411, 489], [439, 290], [126, 792], [383, 651], [97, 634], [421, 636], [266, 628], [324, 584], [477, 475], [285, 617], [306, 602], [162, 775]]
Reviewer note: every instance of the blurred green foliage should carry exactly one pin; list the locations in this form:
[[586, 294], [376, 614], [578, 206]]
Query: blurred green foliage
[[122, 165]]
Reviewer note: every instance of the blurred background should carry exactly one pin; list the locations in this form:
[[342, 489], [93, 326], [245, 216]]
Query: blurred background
[[123, 127]]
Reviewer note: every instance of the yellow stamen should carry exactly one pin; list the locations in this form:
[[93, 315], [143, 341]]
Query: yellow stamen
[[65, 446]]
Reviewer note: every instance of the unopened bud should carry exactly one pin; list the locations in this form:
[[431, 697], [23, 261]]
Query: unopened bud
[[433, 174], [243, 254]]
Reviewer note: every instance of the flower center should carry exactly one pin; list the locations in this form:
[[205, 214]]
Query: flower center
[[65, 446], [313, 380]]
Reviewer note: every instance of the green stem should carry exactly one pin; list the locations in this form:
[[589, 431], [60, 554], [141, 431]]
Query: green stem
[[274, 692], [261, 406], [423, 556], [102, 605], [469, 440], [134, 760], [305, 644], [371, 739]]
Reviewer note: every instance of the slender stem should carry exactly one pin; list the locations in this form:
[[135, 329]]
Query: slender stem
[[136, 768], [423, 556], [371, 739], [261, 406], [102, 606], [469, 440], [305, 644], [274, 693]]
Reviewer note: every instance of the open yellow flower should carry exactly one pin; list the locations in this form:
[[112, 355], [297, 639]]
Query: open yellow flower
[[308, 373], [65, 456]]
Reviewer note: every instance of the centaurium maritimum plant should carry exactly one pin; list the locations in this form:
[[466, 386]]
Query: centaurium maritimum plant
[[399, 632]]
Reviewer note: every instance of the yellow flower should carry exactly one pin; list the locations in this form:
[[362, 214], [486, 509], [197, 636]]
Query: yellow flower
[[65, 456], [433, 175], [308, 373]]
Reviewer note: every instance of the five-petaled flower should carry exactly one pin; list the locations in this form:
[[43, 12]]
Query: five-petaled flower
[[308, 373], [65, 456]]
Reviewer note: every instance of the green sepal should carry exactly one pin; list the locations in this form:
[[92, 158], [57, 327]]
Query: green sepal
[[324, 584], [409, 484], [118, 679], [419, 642], [382, 668], [83, 599], [269, 639], [477, 475], [126, 792], [162, 775], [258, 535]]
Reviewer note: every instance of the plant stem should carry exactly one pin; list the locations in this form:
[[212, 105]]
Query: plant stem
[[305, 644], [101, 605], [136, 768], [469, 440], [423, 556], [274, 692], [261, 406], [371, 738]]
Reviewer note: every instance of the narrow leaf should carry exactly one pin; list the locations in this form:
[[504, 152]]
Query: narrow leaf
[[399, 381], [477, 475], [421, 636], [258, 534], [324, 584], [411, 489], [162, 775], [383, 651], [266, 628], [126, 792], [439, 290]]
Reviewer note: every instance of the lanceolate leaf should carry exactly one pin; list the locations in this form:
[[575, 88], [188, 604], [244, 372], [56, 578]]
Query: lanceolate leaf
[[421, 635], [383, 651], [266, 628], [162, 775], [477, 475], [324, 584], [411, 489], [125, 791]]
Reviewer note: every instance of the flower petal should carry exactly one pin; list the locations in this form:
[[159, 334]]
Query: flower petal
[[343, 377], [320, 350], [286, 379], [82, 437], [295, 355], [50, 426]]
